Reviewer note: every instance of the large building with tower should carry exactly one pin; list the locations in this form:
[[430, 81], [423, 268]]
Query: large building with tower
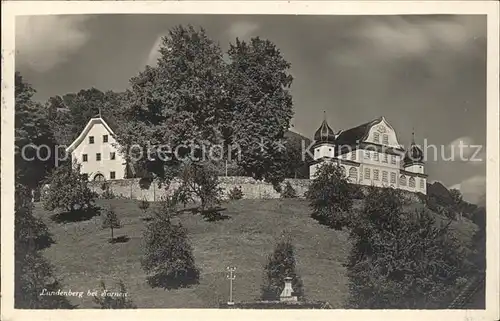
[[371, 155]]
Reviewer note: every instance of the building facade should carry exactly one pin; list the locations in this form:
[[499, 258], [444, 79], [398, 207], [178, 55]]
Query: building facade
[[98, 152], [371, 155]]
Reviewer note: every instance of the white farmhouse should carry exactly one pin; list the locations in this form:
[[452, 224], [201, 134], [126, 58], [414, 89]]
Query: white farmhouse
[[97, 151], [370, 154]]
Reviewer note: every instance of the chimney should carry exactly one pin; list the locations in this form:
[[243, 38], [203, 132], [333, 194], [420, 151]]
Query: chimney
[[287, 293]]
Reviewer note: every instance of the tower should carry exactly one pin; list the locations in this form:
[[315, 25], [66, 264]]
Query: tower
[[414, 158], [323, 147], [324, 141]]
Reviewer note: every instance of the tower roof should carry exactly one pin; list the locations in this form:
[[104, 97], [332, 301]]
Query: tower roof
[[324, 134], [414, 154]]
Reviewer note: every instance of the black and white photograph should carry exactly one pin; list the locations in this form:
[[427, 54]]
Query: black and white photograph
[[251, 161]]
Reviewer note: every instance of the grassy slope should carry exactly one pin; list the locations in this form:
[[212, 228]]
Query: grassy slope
[[83, 256]]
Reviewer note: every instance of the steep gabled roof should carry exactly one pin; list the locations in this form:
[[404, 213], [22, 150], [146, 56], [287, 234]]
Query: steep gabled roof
[[356, 134], [83, 134]]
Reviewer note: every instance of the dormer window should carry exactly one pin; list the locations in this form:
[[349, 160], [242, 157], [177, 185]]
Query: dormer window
[[91, 139], [385, 139], [376, 137]]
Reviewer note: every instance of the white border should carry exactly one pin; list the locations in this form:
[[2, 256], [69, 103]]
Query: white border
[[11, 9]]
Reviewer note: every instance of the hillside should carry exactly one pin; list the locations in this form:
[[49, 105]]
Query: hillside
[[82, 256]]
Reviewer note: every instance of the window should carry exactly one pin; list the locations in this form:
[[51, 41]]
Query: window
[[353, 174], [402, 180], [385, 158], [422, 183], [375, 175], [91, 139], [385, 139], [376, 137], [367, 173], [412, 182], [112, 175], [375, 156], [98, 156], [85, 157], [393, 160], [353, 155], [112, 155], [367, 154], [393, 178], [384, 176], [104, 138]]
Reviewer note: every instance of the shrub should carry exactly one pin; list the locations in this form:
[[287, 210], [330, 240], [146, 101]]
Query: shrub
[[288, 191], [168, 257], [107, 299], [108, 194], [235, 193], [281, 264], [144, 205], [68, 189], [200, 180], [330, 197], [111, 221], [402, 260]]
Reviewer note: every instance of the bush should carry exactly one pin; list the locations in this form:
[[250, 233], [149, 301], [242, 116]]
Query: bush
[[111, 221], [330, 197], [281, 264], [200, 180], [168, 257], [68, 190], [288, 191], [107, 299], [144, 205], [235, 193], [402, 260]]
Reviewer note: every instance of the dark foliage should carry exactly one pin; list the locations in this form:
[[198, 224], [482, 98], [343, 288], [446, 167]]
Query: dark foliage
[[168, 256], [112, 299], [288, 191], [402, 260], [281, 264], [330, 197], [111, 221], [235, 193]]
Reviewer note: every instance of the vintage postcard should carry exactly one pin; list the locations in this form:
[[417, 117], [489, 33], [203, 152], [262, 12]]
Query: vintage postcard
[[211, 160]]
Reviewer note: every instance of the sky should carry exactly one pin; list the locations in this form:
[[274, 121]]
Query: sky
[[421, 72]]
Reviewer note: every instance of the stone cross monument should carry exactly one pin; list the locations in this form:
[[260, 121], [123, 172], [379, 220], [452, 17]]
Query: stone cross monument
[[287, 293]]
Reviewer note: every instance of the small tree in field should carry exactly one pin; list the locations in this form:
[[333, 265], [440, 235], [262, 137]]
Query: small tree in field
[[111, 221], [168, 257], [235, 193], [402, 260], [68, 190], [288, 191], [281, 264], [107, 299], [144, 205], [330, 196], [202, 181]]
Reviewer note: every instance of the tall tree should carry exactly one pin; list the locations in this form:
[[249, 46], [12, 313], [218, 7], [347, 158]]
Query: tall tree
[[34, 140], [401, 259], [259, 84], [181, 101]]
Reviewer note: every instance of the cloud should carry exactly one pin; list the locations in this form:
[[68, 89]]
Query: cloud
[[464, 149], [472, 188], [242, 29], [43, 42], [404, 37]]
